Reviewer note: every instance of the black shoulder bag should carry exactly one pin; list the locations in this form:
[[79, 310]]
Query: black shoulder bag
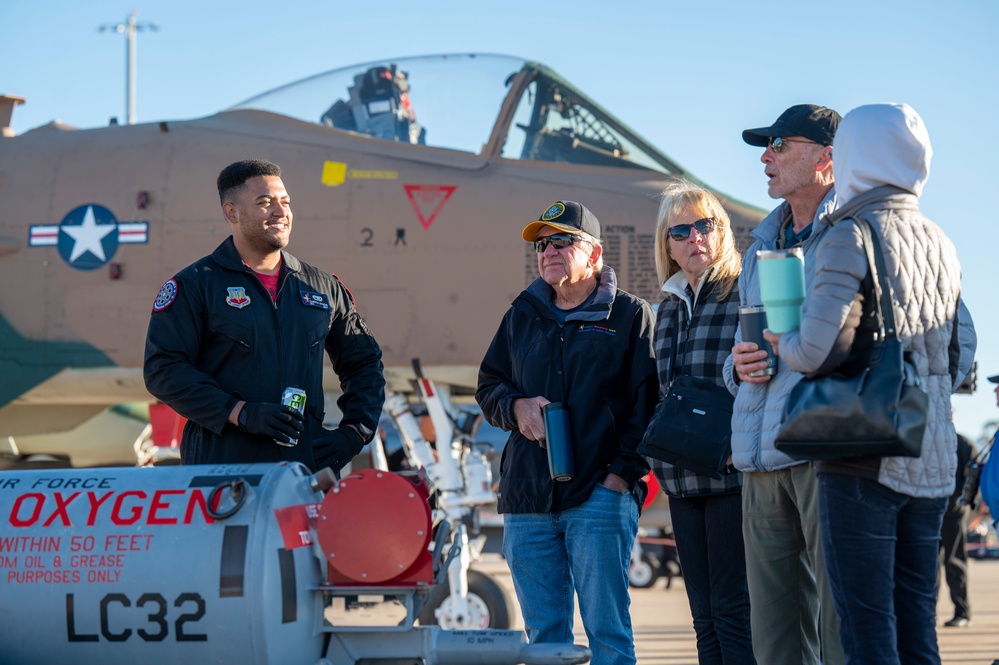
[[692, 424], [872, 409]]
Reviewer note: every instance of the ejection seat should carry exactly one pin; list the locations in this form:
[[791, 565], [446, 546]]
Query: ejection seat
[[379, 106]]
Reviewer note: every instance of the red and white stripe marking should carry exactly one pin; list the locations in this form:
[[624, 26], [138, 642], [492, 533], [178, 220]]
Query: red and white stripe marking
[[47, 235]]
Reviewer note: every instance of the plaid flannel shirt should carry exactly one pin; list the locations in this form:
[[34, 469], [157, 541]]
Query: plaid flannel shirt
[[704, 340]]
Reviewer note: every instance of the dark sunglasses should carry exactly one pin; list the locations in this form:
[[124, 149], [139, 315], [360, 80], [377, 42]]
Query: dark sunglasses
[[776, 143], [682, 231], [556, 240]]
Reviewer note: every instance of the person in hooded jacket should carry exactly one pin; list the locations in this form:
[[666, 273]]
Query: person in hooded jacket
[[880, 518], [572, 337]]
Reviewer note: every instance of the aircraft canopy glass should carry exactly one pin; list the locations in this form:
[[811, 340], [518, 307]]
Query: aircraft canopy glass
[[448, 101], [453, 102], [555, 123]]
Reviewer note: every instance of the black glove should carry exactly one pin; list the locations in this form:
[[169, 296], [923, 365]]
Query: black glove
[[274, 420], [336, 448]]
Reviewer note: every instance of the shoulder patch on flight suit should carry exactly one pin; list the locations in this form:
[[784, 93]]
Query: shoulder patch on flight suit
[[166, 295]]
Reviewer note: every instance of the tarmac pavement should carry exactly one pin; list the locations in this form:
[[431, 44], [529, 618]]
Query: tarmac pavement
[[664, 634]]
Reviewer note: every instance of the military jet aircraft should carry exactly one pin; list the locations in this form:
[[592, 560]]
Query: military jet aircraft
[[411, 179]]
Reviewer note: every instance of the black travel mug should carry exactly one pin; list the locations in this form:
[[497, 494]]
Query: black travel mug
[[561, 460], [752, 321]]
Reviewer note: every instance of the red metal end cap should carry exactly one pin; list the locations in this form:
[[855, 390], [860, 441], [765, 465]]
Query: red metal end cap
[[373, 526]]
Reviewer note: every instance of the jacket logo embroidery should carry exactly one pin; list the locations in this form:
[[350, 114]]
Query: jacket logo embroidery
[[237, 297], [320, 300], [594, 328]]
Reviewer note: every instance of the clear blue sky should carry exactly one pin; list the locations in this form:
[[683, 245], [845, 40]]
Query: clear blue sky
[[687, 76]]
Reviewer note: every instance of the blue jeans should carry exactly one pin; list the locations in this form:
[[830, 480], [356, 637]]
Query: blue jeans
[[708, 533], [881, 555], [586, 549]]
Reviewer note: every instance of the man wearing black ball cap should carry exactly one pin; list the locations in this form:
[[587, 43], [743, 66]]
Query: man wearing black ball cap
[[792, 612]]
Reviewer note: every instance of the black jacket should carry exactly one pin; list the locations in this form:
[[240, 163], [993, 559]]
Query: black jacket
[[600, 363], [221, 339]]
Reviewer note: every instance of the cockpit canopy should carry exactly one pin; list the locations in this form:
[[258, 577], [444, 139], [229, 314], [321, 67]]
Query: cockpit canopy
[[457, 102]]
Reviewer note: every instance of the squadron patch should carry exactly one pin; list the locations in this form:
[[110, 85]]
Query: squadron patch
[[166, 295], [319, 300], [237, 297], [554, 210]]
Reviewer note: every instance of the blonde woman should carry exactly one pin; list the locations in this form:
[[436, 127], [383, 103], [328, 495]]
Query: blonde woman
[[699, 266]]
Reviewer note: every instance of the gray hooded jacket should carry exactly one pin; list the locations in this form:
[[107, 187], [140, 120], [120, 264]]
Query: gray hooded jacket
[[882, 155]]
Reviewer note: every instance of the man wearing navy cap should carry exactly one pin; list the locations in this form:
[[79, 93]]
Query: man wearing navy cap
[[793, 617], [572, 337]]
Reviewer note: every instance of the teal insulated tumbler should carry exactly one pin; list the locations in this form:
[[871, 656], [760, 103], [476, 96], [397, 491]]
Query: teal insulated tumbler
[[782, 287]]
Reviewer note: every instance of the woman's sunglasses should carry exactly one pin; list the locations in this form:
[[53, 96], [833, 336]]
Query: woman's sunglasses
[[556, 240], [682, 231]]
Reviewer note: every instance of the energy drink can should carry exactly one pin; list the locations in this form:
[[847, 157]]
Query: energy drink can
[[295, 398]]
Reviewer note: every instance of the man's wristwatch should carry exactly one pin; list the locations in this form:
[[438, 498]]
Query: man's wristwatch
[[241, 419], [366, 432]]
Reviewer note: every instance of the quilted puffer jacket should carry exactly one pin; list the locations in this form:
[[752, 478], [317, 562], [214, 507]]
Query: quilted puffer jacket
[[882, 156], [759, 407]]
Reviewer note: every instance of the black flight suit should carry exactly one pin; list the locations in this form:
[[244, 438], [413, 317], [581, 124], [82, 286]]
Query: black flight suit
[[215, 337]]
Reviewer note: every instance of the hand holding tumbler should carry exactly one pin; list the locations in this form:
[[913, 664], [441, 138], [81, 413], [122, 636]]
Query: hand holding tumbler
[[753, 321]]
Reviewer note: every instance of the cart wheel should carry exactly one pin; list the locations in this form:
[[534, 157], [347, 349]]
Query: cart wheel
[[487, 603], [643, 574]]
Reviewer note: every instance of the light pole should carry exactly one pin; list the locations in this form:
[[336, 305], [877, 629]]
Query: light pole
[[129, 27]]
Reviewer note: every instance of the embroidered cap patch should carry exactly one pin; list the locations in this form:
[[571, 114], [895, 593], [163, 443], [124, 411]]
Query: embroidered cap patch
[[166, 295], [554, 210]]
